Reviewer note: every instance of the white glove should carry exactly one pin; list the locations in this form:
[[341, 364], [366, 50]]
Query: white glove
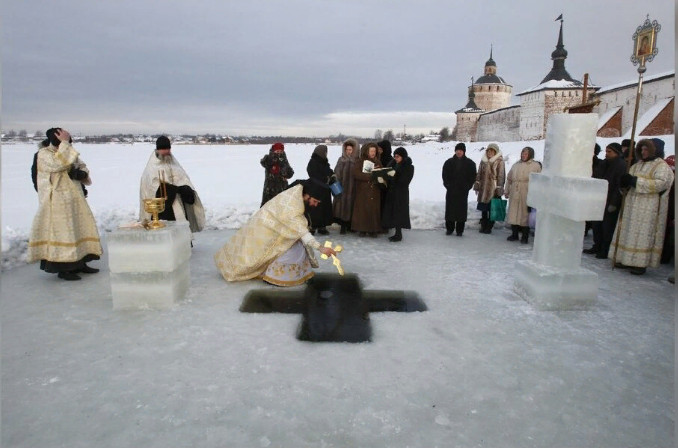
[[381, 180], [391, 173]]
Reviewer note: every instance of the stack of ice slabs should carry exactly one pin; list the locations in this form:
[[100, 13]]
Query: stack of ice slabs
[[149, 268]]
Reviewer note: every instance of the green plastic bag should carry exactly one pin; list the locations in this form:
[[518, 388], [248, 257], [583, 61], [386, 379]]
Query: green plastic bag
[[498, 209]]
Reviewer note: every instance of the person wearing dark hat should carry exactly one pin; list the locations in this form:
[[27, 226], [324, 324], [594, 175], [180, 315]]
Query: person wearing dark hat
[[459, 175], [639, 236], [384, 155], [612, 169], [625, 144], [275, 244], [669, 248], [319, 171], [384, 152], [278, 171], [182, 202], [396, 211], [595, 226], [64, 235]]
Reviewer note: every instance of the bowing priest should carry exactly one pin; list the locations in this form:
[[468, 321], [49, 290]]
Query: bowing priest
[[276, 244]]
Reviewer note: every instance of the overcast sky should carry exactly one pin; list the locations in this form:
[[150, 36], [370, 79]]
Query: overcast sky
[[296, 67]]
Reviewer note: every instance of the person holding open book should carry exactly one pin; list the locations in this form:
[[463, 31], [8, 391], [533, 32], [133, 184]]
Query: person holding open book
[[366, 217], [396, 211]]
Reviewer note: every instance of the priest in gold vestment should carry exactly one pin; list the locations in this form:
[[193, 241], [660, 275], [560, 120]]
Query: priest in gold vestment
[[64, 235], [276, 242]]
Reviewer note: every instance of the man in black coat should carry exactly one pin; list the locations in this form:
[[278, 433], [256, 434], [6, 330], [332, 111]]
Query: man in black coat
[[612, 169], [459, 174]]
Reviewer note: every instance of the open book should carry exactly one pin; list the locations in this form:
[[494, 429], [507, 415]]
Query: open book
[[382, 173]]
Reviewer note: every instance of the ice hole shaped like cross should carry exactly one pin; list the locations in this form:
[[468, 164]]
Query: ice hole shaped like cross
[[334, 308]]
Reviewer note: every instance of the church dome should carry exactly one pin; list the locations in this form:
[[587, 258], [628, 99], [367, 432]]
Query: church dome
[[490, 79]]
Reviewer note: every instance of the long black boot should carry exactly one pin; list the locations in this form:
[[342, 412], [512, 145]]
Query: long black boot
[[398, 235], [483, 225], [514, 233], [526, 234], [490, 225]]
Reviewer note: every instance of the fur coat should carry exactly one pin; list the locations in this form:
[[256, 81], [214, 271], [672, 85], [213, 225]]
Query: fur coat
[[490, 178], [343, 204], [517, 182], [367, 202]]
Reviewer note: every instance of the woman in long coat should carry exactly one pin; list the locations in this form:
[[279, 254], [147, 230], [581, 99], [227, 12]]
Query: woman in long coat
[[396, 211], [319, 171], [516, 192], [489, 183], [278, 170], [366, 217], [343, 204]]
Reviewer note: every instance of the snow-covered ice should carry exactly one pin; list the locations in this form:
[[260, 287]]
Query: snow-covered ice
[[480, 368]]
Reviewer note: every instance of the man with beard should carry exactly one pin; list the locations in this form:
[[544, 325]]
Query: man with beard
[[639, 236], [182, 202], [459, 175]]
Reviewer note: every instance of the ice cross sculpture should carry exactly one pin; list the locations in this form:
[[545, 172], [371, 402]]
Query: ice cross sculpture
[[334, 307], [565, 196]]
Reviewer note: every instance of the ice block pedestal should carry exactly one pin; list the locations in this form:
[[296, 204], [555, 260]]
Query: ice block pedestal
[[149, 268], [565, 196]]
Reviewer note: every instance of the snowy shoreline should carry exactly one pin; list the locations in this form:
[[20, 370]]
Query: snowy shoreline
[[228, 178]]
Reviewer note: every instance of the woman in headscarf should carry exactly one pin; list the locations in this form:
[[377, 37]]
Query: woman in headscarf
[[516, 192], [489, 183], [343, 204], [366, 217], [278, 170], [319, 171], [396, 211]]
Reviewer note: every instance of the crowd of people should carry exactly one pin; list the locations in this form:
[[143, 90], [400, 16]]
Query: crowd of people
[[637, 229], [367, 193]]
